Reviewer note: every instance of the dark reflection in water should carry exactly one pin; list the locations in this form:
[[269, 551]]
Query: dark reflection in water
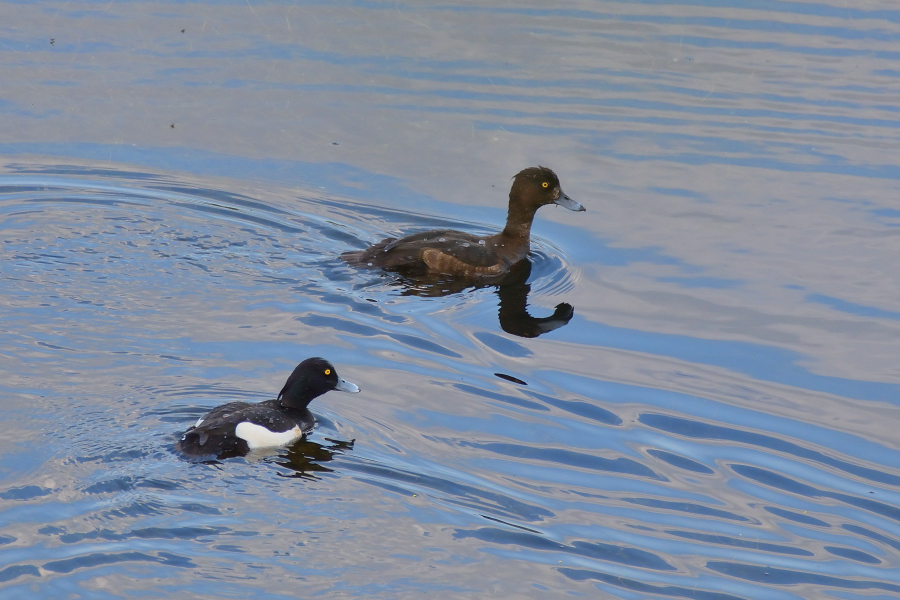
[[304, 458], [513, 313], [512, 289]]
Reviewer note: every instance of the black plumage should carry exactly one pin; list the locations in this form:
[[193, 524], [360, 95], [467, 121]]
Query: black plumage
[[235, 428]]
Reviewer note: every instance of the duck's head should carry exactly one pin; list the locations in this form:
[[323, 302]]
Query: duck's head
[[310, 379], [536, 186]]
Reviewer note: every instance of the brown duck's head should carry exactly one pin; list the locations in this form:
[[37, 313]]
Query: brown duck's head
[[536, 186]]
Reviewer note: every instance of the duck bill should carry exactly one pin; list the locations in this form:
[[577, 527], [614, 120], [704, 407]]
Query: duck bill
[[567, 202], [345, 386]]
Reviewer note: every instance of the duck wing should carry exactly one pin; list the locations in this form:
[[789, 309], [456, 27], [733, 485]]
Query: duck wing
[[269, 414], [444, 251], [220, 413], [215, 433]]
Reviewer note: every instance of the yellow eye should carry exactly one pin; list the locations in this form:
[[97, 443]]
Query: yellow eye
[[328, 371], [545, 184]]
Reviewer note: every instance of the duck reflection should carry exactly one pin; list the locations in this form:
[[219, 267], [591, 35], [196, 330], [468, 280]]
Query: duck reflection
[[305, 457], [512, 289]]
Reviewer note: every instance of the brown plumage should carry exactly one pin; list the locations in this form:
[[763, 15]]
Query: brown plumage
[[461, 254]]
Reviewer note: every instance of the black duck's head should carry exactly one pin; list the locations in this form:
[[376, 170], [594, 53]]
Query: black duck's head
[[536, 186], [310, 379]]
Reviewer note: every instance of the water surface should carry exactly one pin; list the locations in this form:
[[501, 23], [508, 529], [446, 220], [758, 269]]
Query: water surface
[[717, 420]]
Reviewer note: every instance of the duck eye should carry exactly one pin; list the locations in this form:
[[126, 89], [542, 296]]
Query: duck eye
[[545, 184], [328, 371]]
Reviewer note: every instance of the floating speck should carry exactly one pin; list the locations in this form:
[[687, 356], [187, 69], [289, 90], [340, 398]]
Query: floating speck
[[368, 264], [442, 239], [481, 242]]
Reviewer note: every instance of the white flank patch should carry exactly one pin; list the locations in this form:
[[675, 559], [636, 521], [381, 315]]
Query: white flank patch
[[258, 436]]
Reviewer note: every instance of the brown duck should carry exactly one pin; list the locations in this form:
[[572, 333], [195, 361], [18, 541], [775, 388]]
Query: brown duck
[[457, 253]]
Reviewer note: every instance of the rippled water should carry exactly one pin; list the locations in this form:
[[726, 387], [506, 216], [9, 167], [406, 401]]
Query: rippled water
[[717, 421]]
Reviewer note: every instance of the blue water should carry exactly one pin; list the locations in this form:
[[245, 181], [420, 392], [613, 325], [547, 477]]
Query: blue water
[[716, 421]]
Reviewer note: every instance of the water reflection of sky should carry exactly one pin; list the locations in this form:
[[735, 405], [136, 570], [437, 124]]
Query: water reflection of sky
[[717, 420]]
